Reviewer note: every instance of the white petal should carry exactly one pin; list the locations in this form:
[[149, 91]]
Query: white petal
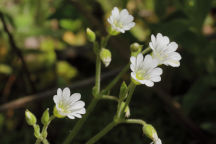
[[172, 47], [70, 116], [66, 92], [157, 71], [77, 105], [174, 55], [148, 83], [132, 67], [75, 97], [115, 12], [77, 115], [59, 92], [124, 12], [133, 60], [56, 99], [139, 59], [156, 78]]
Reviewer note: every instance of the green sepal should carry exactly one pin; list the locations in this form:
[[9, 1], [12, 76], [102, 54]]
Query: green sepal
[[56, 113], [123, 91]]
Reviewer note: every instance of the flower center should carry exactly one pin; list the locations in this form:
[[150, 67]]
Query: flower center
[[117, 23], [140, 75]]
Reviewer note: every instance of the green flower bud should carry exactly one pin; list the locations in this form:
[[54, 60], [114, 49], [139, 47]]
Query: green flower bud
[[37, 131], [30, 118], [45, 117], [56, 113], [150, 132], [135, 49], [90, 35], [123, 91], [105, 56]]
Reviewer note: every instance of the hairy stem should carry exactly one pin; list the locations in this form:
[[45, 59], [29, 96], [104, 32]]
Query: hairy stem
[[134, 121], [108, 97]]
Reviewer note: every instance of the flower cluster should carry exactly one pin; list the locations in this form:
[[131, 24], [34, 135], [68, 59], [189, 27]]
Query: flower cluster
[[146, 70]]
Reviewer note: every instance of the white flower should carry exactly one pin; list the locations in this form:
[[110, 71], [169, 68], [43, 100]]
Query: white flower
[[121, 21], [69, 105], [164, 51], [145, 70]]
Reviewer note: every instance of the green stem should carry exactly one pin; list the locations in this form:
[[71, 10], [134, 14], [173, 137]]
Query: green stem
[[116, 79], [80, 123], [108, 97], [131, 89], [98, 74], [146, 50], [134, 121], [45, 141], [38, 141], [102, 133], [44, 130]]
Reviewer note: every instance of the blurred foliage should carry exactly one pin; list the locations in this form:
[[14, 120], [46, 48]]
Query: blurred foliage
[[51, 35]]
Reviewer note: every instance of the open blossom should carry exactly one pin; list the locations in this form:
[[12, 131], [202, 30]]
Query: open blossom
[[121, 21], [145, 70], [69, 105], [164, 51]]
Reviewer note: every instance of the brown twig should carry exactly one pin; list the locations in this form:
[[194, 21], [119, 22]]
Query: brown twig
[[20, 102], [17, 51], [175, 108]]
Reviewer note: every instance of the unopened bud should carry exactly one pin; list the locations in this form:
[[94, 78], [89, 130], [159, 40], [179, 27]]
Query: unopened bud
[[105, 56], [90, 35], [135, 49], [30, 118], [45, 117], [149, 131]]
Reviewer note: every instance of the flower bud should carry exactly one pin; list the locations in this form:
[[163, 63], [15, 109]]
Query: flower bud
[[57, 114], [30, 118], [150, 132], [135, 48], [105, 56], [37, 131], [90, 35], [45, 117]]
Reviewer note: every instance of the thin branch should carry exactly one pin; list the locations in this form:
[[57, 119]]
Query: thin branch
[[108, 97], [18, 52], [20, 102]]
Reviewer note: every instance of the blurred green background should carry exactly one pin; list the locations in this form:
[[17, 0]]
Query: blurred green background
[[51, 36]]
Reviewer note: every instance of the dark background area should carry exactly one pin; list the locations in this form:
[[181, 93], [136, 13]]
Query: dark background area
[[50, 35]]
